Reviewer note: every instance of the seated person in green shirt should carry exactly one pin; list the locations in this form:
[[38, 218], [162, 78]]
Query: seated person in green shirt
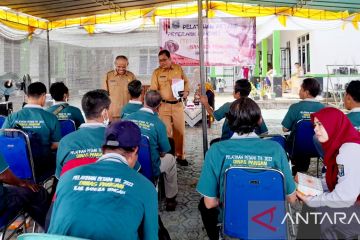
[[352, 103], [242, 88], [60, 93], [243, 117], [162, 162], [86, 142], [18, 194], [43, 126], [310, 88], [108, 199], [135, 103]]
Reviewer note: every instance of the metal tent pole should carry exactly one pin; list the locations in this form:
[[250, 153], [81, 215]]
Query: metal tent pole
[[48, 50], [202, 68], [207, 39]]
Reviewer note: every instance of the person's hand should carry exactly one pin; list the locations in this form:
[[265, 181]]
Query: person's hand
[[204, 99], [185, 95], [32, 187], [303, 197], [296, 178], [292, 198]]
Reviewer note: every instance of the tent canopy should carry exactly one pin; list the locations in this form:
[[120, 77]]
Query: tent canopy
[[53, 10], [26, 15], [332, 5]]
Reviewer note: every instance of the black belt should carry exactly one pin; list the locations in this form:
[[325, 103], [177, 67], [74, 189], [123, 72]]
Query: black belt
[[171, 102]]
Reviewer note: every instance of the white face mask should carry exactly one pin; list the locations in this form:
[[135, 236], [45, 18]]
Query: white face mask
[[106, 120]]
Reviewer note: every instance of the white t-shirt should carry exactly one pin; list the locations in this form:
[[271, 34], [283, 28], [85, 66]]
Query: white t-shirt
[[347, 188]]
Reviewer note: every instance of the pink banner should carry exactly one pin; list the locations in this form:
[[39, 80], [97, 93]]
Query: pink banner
[[227, 41]]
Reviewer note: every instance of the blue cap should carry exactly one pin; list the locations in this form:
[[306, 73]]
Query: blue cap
[[122, 134]]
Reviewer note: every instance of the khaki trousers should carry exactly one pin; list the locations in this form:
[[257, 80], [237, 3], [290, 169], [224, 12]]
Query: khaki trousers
[[168, 167], [173, 117]]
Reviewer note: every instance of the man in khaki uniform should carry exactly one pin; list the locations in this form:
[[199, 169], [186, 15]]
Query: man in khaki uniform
[[171, 110], [116, 83]]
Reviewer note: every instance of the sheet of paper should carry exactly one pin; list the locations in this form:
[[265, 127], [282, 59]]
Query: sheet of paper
[[309, 185], [177, 86]]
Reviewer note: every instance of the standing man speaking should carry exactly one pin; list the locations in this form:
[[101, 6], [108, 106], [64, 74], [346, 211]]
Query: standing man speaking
[[116, 83], [171, 110]]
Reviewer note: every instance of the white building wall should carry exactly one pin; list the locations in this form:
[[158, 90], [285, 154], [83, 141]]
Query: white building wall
[[327, 47], [333, 47], [292, 36]]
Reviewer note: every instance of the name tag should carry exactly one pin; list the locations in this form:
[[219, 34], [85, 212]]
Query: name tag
[[163, 77], [341, 170]]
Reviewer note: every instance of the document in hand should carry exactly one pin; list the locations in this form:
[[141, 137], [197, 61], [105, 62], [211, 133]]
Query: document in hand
[[309, 185], [177, 86]]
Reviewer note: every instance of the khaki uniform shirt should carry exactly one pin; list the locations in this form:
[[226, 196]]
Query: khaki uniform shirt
[[161, 80], [117, 86]]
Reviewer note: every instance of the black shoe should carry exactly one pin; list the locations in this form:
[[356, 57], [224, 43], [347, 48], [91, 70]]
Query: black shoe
[[182, 162], [171, 204]]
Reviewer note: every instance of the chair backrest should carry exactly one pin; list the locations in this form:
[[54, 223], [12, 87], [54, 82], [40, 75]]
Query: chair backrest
[[67, 126], [276, 138], [45, 236], [144, 158], [16, 150], [303, 144], [254, 204], [2, 120]]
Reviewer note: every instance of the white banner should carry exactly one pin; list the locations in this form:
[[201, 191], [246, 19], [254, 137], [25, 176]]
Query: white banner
[[227, 41]]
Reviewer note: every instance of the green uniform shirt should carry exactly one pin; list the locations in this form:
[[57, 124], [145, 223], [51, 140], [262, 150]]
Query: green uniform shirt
[[35, 119], [68, 112], [105, 200], [3, 167], [152, 127], [86, 142], [130, 107], [245, 152], [354, 117], [299, 111], [226, 132]]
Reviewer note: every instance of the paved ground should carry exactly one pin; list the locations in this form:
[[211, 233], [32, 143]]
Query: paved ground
[[185, 223]]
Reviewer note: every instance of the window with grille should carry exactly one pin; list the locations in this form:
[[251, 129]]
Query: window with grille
[[148, 60], [12, 56], [304, 52]]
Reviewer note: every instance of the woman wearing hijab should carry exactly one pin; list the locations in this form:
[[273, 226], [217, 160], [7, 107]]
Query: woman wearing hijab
[[341, 144]]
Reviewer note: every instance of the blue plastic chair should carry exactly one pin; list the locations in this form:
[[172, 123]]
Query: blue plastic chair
[[303, 140], [45, 236], [302, 145], [144, 158], [280, 139], [254, 204], [67, 126], [15, 148], [2, 120]]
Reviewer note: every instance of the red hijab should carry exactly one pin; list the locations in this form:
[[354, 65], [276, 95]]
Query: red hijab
[[340, 131]]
